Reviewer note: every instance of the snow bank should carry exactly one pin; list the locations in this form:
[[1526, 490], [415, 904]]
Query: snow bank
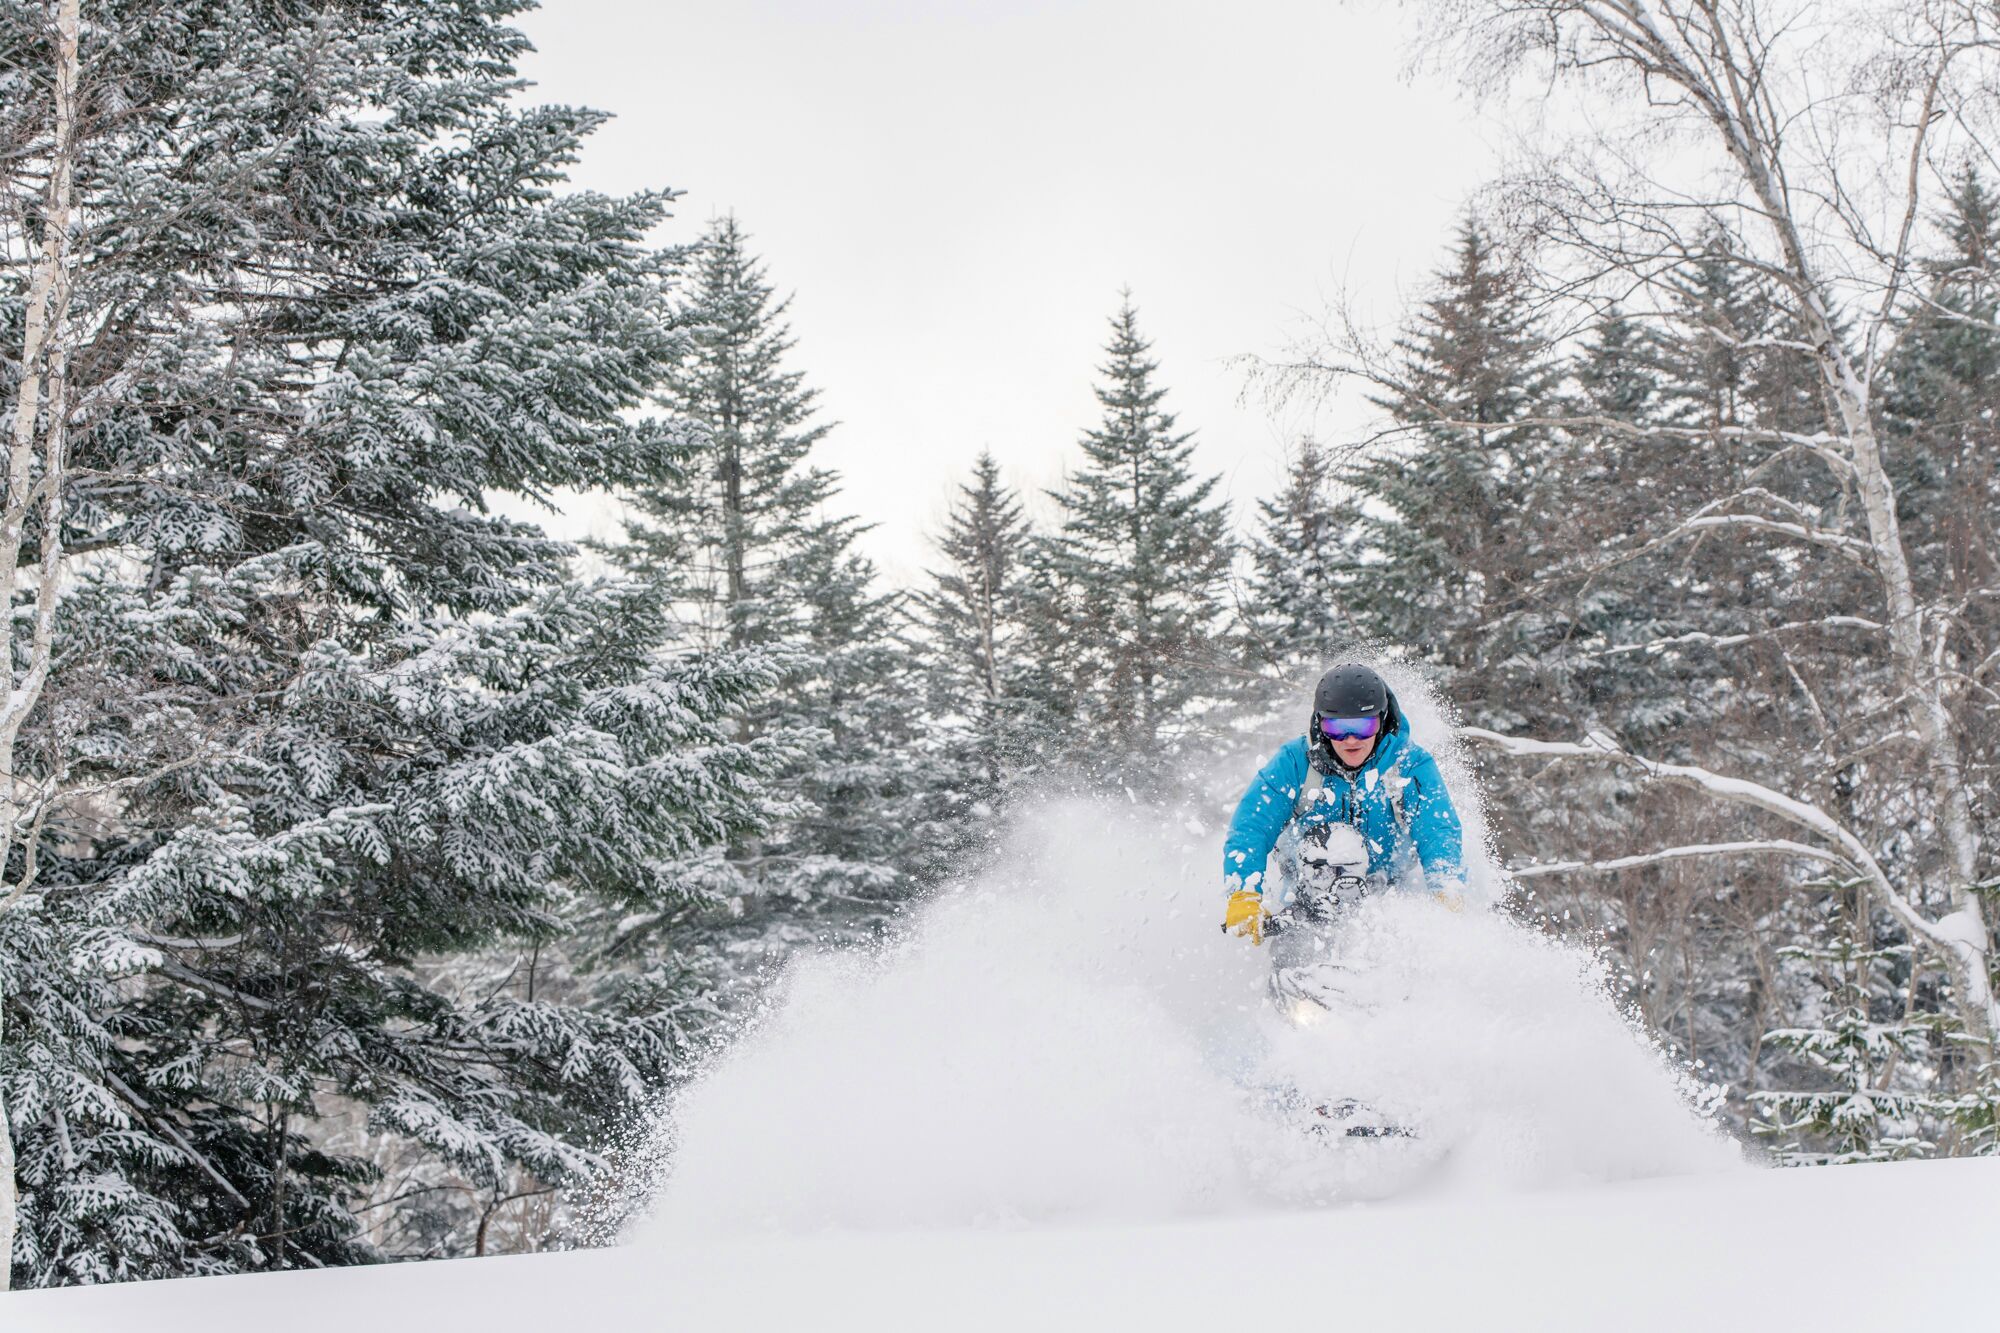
[[1073, 1039], [1745, 1250]]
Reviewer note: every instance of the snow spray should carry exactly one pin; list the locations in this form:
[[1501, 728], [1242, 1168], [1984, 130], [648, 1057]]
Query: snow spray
[[1070, 1038]]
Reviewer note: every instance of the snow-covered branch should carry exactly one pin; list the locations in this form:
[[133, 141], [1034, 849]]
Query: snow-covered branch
[[1842, 844], [1761, 846], [1708, 640], [1854, 548]]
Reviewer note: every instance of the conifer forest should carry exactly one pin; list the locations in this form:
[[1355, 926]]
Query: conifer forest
[[377, 865]]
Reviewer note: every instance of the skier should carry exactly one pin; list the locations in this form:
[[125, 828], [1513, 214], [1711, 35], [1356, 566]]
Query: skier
[[1355, 765]]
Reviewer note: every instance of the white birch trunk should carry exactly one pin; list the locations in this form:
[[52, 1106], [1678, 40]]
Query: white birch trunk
[[40, 417]]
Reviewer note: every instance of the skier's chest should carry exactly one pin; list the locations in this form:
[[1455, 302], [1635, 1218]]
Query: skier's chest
[[1371, 798]]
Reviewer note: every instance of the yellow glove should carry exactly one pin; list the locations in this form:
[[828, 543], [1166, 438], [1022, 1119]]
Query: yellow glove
[[1245, 915], [1451, 900]]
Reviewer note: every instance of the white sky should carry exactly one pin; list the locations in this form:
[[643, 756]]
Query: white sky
[[956, 191]]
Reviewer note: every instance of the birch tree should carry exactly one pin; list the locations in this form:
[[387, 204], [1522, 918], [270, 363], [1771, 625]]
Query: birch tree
[[1819, 136], [31, 551]]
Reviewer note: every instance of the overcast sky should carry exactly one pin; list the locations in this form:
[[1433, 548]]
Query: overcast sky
[[957, 190]]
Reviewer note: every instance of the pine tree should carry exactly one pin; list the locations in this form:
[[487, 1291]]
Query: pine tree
[[1937, 402], [1710, 370], [747, 553], [972, 608], [1862, 1049], [1294, 607], [973, 627], [1939, 417], [1594, 480], [318, 719], [729, 545], [975, 660], [849, 717], [1609, 478], [1450, 530], [1129, 591]]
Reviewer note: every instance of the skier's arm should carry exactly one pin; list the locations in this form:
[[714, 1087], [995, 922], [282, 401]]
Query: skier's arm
[[1434, 827], [1260, 817]]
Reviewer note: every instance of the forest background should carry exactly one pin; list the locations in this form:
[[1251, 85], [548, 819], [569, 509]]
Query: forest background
[[376, 862]]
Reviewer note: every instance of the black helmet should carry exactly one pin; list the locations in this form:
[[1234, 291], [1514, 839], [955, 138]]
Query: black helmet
[[1348, 690], [1351, 690]]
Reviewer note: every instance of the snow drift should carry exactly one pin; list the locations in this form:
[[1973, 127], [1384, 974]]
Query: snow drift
[[1071, 1038], [1743, 1250]]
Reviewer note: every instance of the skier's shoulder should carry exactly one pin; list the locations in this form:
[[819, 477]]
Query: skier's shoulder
[[1416, 756], [1414, 760], [1289, 764]]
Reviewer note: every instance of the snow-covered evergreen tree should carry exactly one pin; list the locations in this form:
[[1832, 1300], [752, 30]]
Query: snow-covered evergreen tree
[[1726, 367], [317, 717], [1938, 396], [1294, 603], [1448, 528], [43, 146], [974, 649], [1130, 589], [1938, 408], [746, 550], [729, 544], [848, 719], [1867, 1053]]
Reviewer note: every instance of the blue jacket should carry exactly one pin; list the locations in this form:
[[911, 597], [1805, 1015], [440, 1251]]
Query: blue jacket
[[1397, 800]]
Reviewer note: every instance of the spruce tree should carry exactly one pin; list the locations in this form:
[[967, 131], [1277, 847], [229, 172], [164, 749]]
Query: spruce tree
[[847, 717], [1939, 416], [1294, 609], [1863, 1051], [1715, 684], [728, 545], [1130, 588], [1937, 402], [974, 648], [1449, 525], [746, 551], [1610, 479], [319, 719], [971, 621], [1594, 480]]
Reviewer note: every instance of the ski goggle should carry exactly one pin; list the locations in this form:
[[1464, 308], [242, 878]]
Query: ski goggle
[[1349, 728]]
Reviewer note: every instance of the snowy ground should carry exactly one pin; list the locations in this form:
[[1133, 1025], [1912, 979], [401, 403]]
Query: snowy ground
[[1765, 1250]]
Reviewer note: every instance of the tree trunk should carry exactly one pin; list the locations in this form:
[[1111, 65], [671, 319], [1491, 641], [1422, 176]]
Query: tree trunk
[[1720, 73], [7, 1225], [1965, 949], [43, 363]]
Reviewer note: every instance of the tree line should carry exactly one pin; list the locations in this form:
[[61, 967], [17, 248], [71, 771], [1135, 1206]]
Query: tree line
[[373, 861]]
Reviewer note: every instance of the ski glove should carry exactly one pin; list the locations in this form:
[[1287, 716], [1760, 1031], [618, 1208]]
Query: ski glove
[[1245, 915]]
